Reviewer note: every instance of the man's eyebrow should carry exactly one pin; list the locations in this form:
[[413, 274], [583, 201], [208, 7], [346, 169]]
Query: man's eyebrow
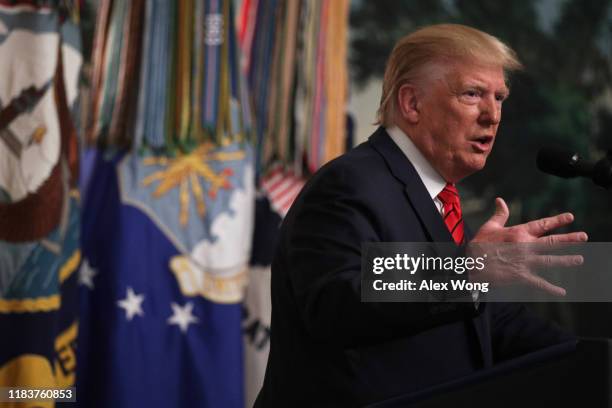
[[483, 88]]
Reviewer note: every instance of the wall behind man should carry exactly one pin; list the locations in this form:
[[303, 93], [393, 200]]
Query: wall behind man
[[563, 97]]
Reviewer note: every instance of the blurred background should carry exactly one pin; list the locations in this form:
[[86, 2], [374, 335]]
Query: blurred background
[[562, 98], [150, 149]]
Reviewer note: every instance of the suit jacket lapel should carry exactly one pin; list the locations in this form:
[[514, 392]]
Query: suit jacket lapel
[[426, 210], [415, 190]]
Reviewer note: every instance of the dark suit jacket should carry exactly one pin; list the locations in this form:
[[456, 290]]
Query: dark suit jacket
[[329, 349]]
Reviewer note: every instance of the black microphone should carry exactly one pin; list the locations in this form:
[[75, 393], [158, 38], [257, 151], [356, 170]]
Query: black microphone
[[564, 163]]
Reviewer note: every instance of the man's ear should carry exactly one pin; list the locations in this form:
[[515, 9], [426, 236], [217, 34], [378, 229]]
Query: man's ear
[[408, 103]]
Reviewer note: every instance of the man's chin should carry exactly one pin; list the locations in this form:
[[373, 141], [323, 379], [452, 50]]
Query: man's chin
[[471, 167], [477, 161]]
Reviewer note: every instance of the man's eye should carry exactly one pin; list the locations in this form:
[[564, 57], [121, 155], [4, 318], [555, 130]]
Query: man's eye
[[470, 96]]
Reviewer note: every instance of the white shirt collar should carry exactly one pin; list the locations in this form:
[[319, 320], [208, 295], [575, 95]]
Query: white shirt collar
[[434, 183]]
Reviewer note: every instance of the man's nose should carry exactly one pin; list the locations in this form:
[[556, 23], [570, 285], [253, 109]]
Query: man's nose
[[490, 111]]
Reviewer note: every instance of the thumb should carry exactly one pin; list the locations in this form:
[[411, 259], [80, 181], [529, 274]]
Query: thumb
[[501, 214]]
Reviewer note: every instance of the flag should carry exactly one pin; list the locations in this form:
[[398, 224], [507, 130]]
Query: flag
[[257, 308], [161, 300], [40, 61], [281, 187], [295, 57], [168, 209]]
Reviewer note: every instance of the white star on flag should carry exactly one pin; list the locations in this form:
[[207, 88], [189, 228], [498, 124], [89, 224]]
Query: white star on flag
[[86, 274], [181, 316], [132, 304]]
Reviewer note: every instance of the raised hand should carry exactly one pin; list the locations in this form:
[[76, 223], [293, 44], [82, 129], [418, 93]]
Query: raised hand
[[517, 263]]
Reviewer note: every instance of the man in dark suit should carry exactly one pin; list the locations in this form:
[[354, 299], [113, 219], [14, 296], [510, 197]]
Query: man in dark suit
[[442, 95]]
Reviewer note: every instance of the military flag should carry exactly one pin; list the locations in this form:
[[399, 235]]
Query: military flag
[[40, 62], [168, 211], [295, 57]]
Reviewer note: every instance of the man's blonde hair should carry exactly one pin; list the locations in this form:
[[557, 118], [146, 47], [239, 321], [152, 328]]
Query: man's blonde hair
[[438, 43]]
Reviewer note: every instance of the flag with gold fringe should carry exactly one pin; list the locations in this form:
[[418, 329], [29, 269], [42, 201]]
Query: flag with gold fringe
[[295, 56], [168, 208], [40, 61]]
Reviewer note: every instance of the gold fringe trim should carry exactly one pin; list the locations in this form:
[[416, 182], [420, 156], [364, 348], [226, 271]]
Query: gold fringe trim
[[43, 304], [70, 266]]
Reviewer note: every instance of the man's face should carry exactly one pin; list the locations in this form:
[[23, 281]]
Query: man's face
[[459, 112]]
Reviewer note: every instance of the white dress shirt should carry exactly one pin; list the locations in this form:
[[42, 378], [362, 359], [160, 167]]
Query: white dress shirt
[[434, 183]]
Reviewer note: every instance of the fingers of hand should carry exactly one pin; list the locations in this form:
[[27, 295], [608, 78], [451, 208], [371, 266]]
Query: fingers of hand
[[564, 238], [542, 284], [549, 261], [544, 225], [501, 212]]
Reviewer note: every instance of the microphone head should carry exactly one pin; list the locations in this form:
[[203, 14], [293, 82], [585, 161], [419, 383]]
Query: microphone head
[[562, 162]]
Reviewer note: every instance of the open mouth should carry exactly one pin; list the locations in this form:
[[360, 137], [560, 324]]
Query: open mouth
[[482, 143]]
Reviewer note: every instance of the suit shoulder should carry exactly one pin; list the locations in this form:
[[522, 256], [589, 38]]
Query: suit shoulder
[[360, 176], [358, 165]]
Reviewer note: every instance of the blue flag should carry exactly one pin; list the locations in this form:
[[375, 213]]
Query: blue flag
[[40, 63], [165, 246]]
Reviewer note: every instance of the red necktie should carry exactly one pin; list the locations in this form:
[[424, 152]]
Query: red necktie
[[452, 212]]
